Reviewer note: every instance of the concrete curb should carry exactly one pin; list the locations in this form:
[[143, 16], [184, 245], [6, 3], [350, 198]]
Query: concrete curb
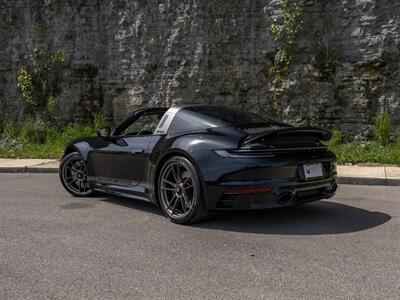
[[340, 179], [368, 181], [28, 170]]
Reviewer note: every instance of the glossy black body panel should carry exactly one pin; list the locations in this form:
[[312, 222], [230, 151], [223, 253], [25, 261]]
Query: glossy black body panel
[[129, 166]]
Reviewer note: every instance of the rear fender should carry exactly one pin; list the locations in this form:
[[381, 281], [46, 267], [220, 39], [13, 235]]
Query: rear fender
[[198, 142]]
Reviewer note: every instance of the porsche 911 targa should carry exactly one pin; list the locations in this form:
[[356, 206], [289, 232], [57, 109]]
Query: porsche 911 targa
[[194, 159]]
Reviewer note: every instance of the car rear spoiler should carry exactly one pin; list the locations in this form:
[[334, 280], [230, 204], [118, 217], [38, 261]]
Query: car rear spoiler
[[273, 133]]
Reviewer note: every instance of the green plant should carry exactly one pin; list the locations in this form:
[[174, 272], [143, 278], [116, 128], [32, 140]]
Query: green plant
[[337, 137], [366, 152], [25, 86], [8, 127], [276, 104], [33, 131], [37, 139], [99, 121], [39, 79], [312, 119], [396, 137], [382, 128], [285, 32]]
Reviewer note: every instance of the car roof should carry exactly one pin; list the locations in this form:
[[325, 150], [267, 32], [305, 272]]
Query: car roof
[[176, 108]]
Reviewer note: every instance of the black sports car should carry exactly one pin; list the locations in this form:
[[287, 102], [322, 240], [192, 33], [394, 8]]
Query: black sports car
[[195, 159]]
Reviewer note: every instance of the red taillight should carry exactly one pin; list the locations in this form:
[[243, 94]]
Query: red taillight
[[247, 190]]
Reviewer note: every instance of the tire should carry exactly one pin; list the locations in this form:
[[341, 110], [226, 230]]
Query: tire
[[180, 192], [73, 175]]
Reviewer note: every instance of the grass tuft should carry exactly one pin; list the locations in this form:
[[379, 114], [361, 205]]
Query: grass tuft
[[36, 139], [357, 151], [382, 128]]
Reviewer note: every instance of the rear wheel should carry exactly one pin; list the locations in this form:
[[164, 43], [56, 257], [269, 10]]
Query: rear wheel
[[73, 175], [180, 192]]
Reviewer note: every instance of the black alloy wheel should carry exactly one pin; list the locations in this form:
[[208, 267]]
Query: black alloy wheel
[[179, 191], [73, 175]]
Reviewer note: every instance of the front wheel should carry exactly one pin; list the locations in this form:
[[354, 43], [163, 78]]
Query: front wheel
[[180, 192], [73, 175]]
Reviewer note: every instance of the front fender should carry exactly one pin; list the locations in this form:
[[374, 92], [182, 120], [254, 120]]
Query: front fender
[[82, 146]]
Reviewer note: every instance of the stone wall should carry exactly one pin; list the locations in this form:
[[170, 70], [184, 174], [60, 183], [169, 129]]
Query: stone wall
[[124, 54]]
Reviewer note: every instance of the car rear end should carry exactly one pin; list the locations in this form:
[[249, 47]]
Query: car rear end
[[274, 165]]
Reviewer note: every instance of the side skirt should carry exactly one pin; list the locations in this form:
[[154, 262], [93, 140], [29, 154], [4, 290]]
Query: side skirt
[[136, 192], [122, 194]]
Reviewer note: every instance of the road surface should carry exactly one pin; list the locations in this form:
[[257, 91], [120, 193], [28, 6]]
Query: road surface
[[58, 247]]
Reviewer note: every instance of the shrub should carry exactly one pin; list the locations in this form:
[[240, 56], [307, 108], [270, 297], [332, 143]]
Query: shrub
[[33, 131], [337, 137], [99, 121], [382, 128], [8, 127], [37, 139]]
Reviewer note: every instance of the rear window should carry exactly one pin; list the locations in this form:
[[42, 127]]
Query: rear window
[[200, 117]]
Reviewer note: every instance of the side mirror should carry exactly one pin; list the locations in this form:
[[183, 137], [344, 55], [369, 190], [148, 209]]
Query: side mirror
[[104, 132]]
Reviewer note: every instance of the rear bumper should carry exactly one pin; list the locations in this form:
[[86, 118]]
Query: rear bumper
[[278, 195]]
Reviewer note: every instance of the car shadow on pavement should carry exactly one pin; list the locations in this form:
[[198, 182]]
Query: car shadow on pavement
[[322, 217], [133, 203]]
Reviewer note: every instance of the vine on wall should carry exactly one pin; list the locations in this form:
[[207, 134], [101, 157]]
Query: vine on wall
[[39, 80], [285, 32]]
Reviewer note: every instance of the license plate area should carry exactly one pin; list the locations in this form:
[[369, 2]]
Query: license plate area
[[313, 171]]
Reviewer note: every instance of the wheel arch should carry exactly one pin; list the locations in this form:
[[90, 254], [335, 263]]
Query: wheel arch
[[161, 161], [82, 148], [70, 149]]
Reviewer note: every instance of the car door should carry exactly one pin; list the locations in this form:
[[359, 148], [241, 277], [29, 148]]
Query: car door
[[122, 158]]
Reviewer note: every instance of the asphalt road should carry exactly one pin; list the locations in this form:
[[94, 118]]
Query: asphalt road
[[59, 247]]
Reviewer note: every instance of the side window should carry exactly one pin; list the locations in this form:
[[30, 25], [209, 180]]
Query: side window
[[146, 124], [186, 121]]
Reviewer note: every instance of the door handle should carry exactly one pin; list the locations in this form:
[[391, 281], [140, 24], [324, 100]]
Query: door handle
[[137, 151]]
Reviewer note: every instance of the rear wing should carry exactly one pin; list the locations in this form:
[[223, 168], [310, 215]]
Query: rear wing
[[289, 136]]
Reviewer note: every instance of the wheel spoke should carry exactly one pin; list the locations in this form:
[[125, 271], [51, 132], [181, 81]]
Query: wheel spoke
[[69, 167], [72, 181], [187, 187], [168, 182], [76, 165], [175, 172], [85, 185], [183, 205], [176, 202], [167, 189], [187, 201], [170, 202]]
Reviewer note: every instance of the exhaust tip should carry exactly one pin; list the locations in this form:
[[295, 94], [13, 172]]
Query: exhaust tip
[[285, 197]]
